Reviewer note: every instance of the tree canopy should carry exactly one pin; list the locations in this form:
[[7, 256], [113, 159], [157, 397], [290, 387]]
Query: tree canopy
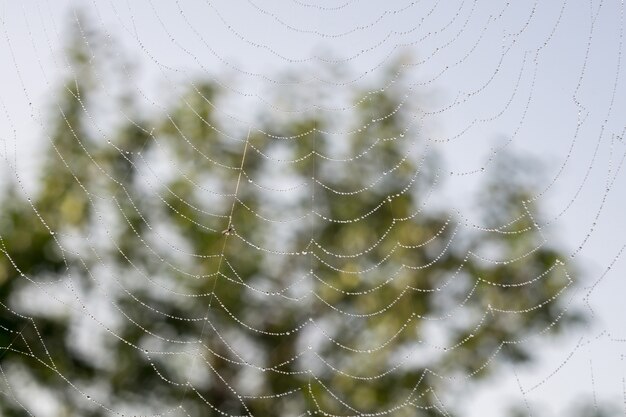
[[180, 263]]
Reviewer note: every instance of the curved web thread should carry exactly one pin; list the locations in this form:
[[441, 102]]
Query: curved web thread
[[315, 301]]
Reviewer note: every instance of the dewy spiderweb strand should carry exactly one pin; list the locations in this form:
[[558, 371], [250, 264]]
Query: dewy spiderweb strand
[[311, 214]]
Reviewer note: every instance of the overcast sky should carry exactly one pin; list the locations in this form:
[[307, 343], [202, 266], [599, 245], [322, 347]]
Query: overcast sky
[[542, 77]]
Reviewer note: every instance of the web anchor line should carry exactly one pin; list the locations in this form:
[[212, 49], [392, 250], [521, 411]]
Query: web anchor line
[[226, 233]]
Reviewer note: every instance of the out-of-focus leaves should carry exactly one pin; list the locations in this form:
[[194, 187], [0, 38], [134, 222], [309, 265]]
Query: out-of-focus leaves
[[172, 306]]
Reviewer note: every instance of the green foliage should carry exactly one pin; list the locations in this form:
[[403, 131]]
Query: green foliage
[[177, 288]]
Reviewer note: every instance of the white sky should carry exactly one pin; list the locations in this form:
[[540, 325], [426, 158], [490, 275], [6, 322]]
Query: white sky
[[548, 128]]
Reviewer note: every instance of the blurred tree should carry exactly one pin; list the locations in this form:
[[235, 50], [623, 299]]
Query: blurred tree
[[154, 273]]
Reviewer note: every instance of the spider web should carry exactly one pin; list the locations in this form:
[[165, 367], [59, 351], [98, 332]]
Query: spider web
[[281, 157]]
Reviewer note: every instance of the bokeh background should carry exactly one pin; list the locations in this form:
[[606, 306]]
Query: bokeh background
[[510, 102]]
